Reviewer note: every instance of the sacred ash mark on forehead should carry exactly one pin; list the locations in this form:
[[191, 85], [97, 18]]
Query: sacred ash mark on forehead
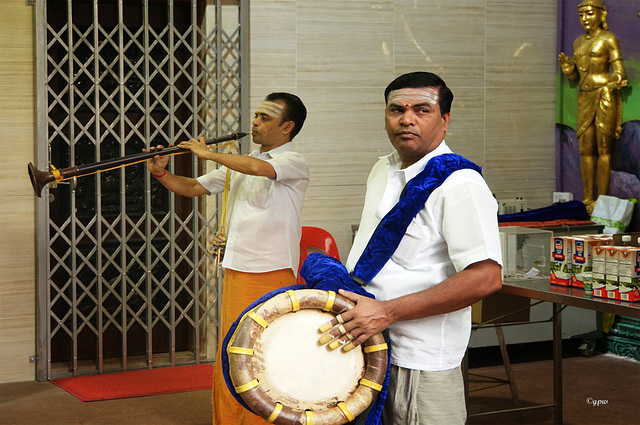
[[273, 109], [413, 96]]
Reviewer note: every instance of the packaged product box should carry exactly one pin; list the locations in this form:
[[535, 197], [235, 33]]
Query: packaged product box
[[611, 272], [560, 261], [599, 269], [598, 261], [582, 260], [629, 274], [599, 285]]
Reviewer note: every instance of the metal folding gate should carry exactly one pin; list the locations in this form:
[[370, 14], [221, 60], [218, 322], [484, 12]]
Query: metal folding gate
[[124, 278]]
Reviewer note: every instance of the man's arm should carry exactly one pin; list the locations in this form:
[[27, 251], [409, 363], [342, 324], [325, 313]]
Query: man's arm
[[239, 163], [185, 186], [461, 290]]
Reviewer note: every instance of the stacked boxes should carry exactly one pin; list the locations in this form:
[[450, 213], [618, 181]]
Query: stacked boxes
[[614, 268]]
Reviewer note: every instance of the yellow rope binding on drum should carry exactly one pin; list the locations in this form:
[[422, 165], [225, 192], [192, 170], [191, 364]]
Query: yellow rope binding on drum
[[274, 415], [374, 348], [309, 415], [329, 305], [259, 320], [246, 387], [295, 305], [370, 384], [240, 350], [345, 410]]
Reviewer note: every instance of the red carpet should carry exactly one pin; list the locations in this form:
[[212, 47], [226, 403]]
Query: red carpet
[[138, 383]]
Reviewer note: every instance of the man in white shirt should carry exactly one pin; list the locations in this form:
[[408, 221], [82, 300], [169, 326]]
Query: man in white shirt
[[447, 258], [265, 199]]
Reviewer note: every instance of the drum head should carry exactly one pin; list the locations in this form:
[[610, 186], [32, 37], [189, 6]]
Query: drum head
[[296, 370], [281, 371]]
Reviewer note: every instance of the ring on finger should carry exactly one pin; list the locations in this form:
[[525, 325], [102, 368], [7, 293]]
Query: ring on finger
[[340, 319], [348, 335], [342, 329]]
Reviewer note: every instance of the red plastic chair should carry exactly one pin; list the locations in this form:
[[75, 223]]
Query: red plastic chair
[[315, 239]]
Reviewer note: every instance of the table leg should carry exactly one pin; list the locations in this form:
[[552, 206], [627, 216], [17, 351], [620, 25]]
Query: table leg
[[557, 363]]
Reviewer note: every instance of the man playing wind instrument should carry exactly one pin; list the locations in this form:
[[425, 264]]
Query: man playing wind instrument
[[265, 196]]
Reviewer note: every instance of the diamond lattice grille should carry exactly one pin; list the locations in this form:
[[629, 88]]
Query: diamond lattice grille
[[129, 283]]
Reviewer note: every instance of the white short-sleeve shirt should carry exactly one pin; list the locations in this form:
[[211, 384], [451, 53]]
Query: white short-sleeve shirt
[[456, 228], [263, 214]]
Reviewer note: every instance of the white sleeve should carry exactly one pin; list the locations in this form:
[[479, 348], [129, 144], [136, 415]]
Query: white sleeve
[[469, 220]]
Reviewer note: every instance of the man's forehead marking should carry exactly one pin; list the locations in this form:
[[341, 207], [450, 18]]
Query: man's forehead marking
[[273, 109], [412, 96]]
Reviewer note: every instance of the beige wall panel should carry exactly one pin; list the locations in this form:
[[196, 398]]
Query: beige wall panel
[[518, 117], [467, 125], [520, 143], [17, 343], [520, 100], [335, 209], [528, 174], [17, 225], [343, 137], [14, 297], [273, 35], [521, 41], [343, 44], [456, 71], [344, 134], [445, 38], [13, 211], [19, 253]]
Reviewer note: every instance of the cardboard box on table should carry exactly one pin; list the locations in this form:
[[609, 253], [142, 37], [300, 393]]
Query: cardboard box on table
[[599, 262], [501, 308], [561, 260], [582, 259], [629, 274], [611, 273]]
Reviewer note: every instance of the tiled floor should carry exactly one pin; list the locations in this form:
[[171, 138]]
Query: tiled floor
[[612, 381], [596, 390]]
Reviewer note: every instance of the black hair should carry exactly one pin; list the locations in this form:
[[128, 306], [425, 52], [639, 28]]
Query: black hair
[[294, 110], [423, 79]]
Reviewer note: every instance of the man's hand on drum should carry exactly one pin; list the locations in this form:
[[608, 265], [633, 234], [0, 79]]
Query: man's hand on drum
[[355, 326]]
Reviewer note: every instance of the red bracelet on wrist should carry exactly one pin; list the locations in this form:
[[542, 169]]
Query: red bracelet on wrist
[[161, 175]]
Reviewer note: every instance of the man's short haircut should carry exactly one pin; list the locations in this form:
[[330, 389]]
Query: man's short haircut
[[419, 80], [294, 110]]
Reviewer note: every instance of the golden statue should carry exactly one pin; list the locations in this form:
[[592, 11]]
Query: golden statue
[[595, 53]]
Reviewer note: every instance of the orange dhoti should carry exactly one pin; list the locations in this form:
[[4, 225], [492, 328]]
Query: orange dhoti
[[240, 290]]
